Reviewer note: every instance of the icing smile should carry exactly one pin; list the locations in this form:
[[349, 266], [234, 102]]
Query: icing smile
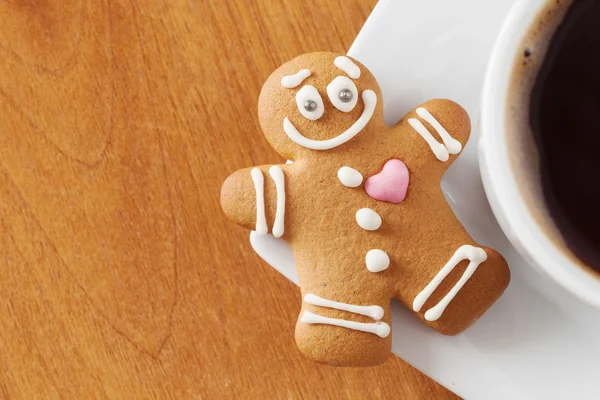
[[370, 101]]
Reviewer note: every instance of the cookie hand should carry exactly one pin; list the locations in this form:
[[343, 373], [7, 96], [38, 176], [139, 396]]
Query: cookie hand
[[255, 198], [436, 131]]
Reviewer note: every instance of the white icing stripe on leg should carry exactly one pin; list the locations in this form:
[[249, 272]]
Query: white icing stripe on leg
[[374, 312], [259, 188], [433, 314], [453, 145], [379, 328], [475, 255], [279, 179], [440, 151]]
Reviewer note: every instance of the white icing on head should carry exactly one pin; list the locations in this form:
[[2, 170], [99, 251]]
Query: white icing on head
[[348, 66], [377, 260], [350, 177], [379, 328], [259, 182], [370, 100], [292, 81], [306, 94], [475, 255], [374, 312], [333, 92], [279, 179], [368, 219]]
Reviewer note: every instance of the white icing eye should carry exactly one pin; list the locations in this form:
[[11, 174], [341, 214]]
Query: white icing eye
[[310, 103], [342, 93]]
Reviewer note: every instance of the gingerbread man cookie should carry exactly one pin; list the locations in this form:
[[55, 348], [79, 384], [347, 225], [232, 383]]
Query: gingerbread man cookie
[[362, 208]]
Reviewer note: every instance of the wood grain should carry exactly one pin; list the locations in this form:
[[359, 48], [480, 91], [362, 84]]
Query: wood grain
[[120, 277]]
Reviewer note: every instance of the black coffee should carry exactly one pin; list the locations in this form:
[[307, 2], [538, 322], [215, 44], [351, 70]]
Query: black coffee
[[565, 118]]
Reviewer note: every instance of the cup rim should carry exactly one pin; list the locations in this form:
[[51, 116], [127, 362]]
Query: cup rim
[[498, 176]]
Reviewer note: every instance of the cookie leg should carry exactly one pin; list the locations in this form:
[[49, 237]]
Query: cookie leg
[[462, 289], [337, 333]]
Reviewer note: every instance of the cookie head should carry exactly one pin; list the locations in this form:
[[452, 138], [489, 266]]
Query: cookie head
[[316, 102]]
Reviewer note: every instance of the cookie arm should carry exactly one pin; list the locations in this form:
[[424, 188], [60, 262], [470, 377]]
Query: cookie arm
[[255, 198], [435, 132]]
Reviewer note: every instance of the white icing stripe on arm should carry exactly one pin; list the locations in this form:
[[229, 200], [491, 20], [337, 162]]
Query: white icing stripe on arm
[[440, 151], [279, 179], [379, 328], [375, 312], [453, 145], [259, 185], [349, 67], [292, 81], [475, 255]]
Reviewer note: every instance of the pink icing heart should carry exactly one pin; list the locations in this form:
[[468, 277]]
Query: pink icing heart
[[390, 184]]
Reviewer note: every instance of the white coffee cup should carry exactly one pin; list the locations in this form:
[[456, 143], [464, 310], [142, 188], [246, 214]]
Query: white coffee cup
[[536, 239]]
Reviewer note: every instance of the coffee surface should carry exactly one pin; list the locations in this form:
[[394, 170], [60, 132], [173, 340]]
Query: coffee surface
[[565, 119]]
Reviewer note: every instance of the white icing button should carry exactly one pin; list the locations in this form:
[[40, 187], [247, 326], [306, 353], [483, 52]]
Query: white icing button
[[350, 177], [368, 219], [377, 260]]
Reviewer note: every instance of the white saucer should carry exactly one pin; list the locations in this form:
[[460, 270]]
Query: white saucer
[[537, 341]]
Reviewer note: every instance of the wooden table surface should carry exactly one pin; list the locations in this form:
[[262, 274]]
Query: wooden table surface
[[120, 277]]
